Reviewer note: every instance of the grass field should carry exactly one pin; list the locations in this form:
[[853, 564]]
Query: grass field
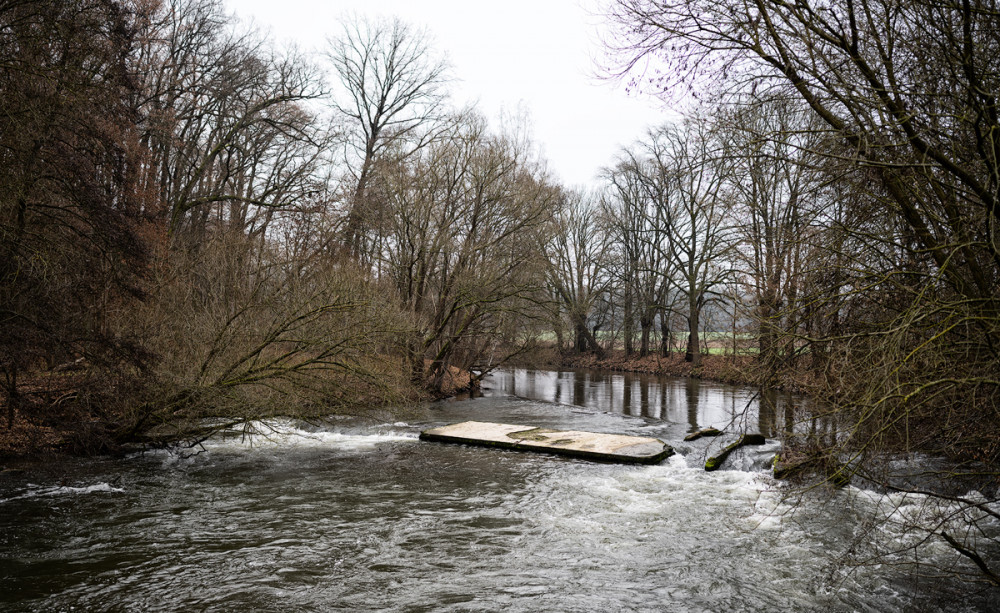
[[713, 343]]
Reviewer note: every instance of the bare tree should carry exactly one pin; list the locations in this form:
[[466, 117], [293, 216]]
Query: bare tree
[[636, 211], [667, 219], [226, 125], [577, 271], [300, 335], [71, 203], [775, 206], [626, 214], [391, 91], [462, 243], [697, 219]]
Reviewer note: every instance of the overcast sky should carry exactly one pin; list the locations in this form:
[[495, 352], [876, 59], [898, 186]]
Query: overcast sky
[[539, 53]]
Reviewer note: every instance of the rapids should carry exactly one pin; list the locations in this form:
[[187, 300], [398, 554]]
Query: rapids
[[355, 516]]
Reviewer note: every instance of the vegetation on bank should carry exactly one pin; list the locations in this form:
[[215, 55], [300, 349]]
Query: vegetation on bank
[[867, 198], [197, 224]]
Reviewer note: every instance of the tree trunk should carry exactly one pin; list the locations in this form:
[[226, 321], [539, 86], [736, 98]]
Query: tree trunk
[[597, 347], [353, 230], [693, 354], [415, 358], [665, 335], [13, 397], [628, 326], [581, 337], [767, 334], [586, 341], [646, 325]]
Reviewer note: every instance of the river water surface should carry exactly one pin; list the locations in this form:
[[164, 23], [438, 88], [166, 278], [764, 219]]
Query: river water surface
[[355, 516]]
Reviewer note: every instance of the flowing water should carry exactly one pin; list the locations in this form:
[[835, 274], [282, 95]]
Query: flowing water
[[355, 516]]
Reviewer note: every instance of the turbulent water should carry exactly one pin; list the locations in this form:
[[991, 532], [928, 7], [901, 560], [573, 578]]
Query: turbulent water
[[361, 517]]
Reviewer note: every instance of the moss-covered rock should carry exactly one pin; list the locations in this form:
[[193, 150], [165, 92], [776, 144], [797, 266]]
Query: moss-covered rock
[[715, 462], [838, 474], [535, 434], [703, 432]]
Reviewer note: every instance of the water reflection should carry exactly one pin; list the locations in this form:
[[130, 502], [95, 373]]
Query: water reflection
[[696, 403]]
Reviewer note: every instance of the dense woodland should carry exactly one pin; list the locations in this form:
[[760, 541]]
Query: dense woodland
[[196, 223]]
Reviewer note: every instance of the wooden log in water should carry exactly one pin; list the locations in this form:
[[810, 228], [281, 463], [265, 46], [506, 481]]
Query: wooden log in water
[[703, 432], [586, 445], [714, 463]]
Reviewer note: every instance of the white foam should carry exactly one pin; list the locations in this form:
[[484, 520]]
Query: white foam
[[668, 489], [283, 434], [36, 491]]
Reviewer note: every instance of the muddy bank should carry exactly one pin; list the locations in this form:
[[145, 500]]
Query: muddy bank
[[737, 370], [724, 369], [734, 370], [79, 416]]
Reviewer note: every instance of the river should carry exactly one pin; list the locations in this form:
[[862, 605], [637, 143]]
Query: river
[[355, 516]]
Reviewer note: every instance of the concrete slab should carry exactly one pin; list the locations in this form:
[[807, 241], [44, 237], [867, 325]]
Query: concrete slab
[[587, 445]]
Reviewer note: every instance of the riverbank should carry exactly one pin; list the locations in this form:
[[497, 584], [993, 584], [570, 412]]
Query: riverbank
[[75, 430], [734, 370], [737, 370], [67, 414]]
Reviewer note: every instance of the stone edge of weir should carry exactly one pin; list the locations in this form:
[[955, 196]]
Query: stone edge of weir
[[557, 442]]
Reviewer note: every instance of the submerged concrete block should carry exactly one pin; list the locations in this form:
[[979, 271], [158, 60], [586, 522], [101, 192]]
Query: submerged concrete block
[[586, 445]]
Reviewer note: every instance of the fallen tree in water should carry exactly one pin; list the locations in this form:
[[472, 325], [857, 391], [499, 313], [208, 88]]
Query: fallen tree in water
[[715, 462]]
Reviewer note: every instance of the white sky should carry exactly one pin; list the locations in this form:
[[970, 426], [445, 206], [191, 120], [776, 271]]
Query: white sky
[[537, 53]]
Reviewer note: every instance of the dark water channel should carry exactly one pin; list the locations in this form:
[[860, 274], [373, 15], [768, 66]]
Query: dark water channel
[[355, 516], [693, 402]]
